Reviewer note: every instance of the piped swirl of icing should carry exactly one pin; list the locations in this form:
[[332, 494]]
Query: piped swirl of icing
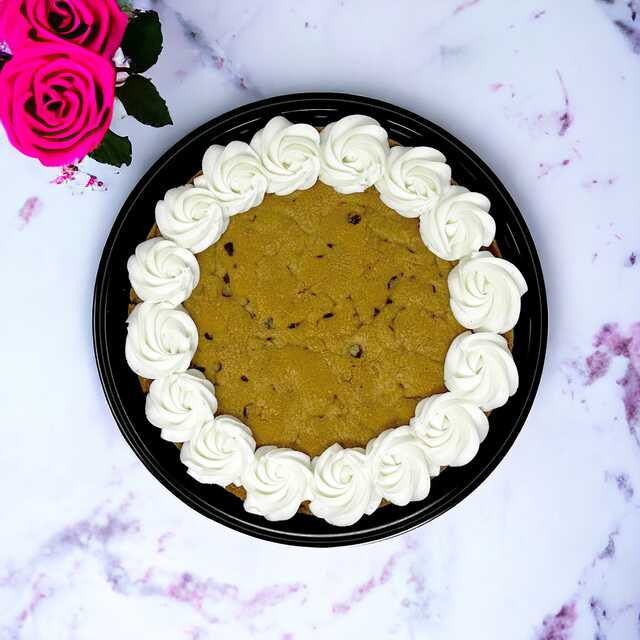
[[235, 176], [353, 153], [160, 270], [277, 481], [399, 466], [191, 217], [458, 225], [485, 291], [343, 490], [414, 180], [479, 368], [161, 339], [219, 452], [450, 428], [180, 404], [290, 154]]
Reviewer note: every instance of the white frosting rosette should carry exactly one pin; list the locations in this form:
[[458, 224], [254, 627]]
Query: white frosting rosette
[[414, 180], [479, 368], [343, 490], [191, 217], [219, 452], [180, 404], [162, 271], [458, 225], [277, 481], [290, 155], [399, 466], [161, 339], [234, 175], [353, 152], [450, 428], [485, 291]]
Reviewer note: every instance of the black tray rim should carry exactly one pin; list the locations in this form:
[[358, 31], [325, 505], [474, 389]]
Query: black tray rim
[[265, 530]]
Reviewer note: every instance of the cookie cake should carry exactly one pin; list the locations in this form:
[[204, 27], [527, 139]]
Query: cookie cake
[[321, 320]]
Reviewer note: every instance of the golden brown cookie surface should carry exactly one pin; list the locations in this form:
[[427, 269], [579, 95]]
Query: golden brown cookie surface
[[322, 318]]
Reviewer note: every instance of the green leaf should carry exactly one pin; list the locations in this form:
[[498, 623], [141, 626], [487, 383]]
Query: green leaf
[[142, 101], [113, 149], [126, 6], [142, 42]]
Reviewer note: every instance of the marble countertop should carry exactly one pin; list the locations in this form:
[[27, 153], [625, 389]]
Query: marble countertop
[[548, 93]]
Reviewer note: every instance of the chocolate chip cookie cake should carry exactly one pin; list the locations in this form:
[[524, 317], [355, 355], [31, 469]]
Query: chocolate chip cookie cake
[[319, 322]]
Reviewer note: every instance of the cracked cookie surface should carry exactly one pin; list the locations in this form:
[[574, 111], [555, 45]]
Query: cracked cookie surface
[[322, 318]]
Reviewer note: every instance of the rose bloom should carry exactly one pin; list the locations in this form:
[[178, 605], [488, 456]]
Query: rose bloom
[[97, 25], [56, 101]]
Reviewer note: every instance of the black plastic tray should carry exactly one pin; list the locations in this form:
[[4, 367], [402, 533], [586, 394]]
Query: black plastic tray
[[126, 399]]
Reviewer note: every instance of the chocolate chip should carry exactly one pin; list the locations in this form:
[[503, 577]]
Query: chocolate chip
[[293, 325], [356, 351], [433, 288], [328, 315], [244, 378], [376, 311], [208, 336], [320, 256], [354, 218], [228, 247], [393, 282], [226, 279], [330, 245], [389, 301]]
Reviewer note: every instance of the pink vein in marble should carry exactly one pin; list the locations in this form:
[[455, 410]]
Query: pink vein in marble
[[200, 592], [90, 536], [559, 625], [29, 209], [611, 342], [163, 539], [92, 544], [361, 591], [631, 33], [465, 5], [599, 182], [566, 118], [544, 168], [494, 87], [211, 51], [622, 482]]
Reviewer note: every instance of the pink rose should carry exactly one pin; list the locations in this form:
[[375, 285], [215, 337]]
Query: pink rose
[[97, 25], [56, 101]]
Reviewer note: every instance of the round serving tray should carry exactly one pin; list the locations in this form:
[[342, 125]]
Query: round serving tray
[[126, 399]]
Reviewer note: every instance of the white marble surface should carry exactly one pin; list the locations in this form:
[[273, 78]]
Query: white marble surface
[[548, 93]]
